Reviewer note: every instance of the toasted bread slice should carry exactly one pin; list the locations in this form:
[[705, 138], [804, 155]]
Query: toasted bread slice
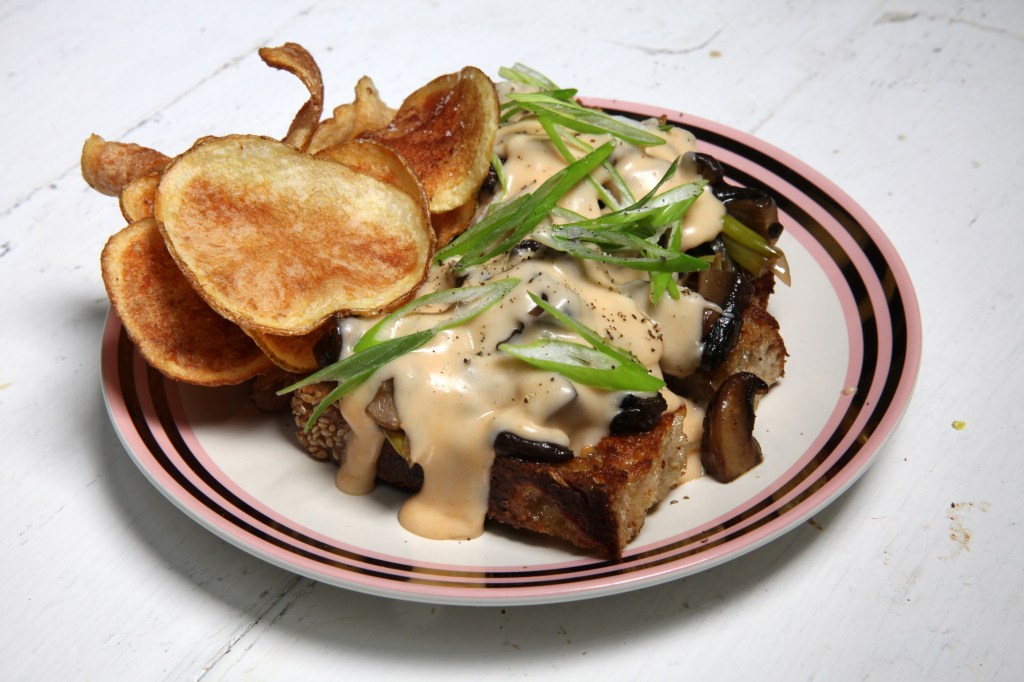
[[597, 502]]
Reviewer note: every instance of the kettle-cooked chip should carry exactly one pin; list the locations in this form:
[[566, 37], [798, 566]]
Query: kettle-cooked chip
[[450, 224], [277, 240], [366, 112], [290, 353], [174, 329], [109, 167], [296, 60], [378, 161], [446, 130], [138, 197]]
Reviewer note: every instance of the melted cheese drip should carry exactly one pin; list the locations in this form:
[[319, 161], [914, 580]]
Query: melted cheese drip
[[455, 394]]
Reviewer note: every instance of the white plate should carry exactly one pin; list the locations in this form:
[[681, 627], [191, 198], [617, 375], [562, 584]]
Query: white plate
[[853, 331]]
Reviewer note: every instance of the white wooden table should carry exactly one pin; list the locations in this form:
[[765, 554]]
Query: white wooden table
[[914, 108]]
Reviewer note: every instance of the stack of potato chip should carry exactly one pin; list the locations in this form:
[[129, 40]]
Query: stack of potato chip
[[239, 251]]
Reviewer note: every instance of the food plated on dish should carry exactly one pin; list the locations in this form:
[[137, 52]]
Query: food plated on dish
[[852, 330], [521, 308]]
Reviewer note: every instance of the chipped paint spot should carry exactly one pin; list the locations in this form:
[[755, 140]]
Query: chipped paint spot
[[958, 530], [895, 17]]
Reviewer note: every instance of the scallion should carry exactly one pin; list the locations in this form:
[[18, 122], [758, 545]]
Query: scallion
[[371, 353], [506, 226], [601, 365]]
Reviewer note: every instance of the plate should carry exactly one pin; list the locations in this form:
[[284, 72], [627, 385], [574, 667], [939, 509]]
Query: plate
[[853, 331]]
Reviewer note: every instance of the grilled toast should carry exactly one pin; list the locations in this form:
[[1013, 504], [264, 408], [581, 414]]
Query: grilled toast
[[598, 500]]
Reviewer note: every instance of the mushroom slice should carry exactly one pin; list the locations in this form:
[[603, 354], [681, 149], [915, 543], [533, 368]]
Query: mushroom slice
[[173, 328], [278, 241], [446, 131], [508, 444], [382, 408], [732, 293], [729, 448], [638, 413]]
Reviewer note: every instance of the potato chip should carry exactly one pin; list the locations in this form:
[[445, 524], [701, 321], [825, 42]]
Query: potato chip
[[290, 353], [450, 224], [138, 197], [295, 59], [378, 161], [109, 167], [446, 130], [366, 112], [277, 240], [173, 328]]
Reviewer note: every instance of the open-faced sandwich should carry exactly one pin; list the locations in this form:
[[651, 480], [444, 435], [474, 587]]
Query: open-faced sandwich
[[520, 308]]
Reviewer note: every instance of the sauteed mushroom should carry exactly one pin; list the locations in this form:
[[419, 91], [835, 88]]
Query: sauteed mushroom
[[731, 292], [638, 414], [729, 448], [508, 444], [327, 349]]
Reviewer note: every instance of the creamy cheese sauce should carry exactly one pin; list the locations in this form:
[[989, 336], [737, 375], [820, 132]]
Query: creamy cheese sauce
[[455, 394]]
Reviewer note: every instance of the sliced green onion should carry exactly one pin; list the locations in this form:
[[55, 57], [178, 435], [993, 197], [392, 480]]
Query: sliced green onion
[[510, 223], [479, 297], [583, 119], [651, 257], [355, 369], [584, 365], [649, 213], [484, 232], [612, 171], [603, 365], [520, 73], [662, 282], [560, 145], [753, 252], [370, 353], [636, 229]]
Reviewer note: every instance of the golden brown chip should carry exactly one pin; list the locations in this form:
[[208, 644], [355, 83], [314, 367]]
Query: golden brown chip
[[174, 329], [277, 240], [378, 161], [138, 197], [296, 60], [109, 167], [450, 224], [366, 112], [446, 130], [290, 353]]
